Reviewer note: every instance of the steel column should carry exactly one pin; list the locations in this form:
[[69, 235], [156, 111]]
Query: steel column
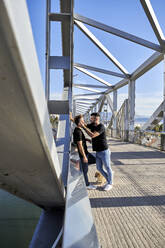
[[115, 112], [164, 95], [131, 107], [47, 54]]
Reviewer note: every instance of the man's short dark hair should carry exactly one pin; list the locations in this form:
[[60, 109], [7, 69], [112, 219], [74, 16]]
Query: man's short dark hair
[[95, 114], [77, 119]]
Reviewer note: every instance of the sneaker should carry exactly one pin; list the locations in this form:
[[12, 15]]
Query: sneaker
[[90, 186], [107, 187]]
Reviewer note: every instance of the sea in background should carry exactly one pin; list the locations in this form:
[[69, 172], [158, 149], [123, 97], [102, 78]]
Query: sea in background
[[139, 120]]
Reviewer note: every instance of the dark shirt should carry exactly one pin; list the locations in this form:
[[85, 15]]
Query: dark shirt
[[99, 143], [78, 135]]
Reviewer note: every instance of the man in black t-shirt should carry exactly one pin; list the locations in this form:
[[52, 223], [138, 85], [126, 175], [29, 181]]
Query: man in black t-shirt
[[85, 157], [96, 131]]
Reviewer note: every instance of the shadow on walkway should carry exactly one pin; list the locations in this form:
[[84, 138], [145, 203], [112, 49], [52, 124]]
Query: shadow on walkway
[[127, 201], [138, 155]]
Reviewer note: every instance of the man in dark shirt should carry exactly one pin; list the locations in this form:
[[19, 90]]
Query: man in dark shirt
[[96, 131], [85, 157]]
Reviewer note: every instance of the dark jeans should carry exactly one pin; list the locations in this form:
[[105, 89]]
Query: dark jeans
[[84, 166]]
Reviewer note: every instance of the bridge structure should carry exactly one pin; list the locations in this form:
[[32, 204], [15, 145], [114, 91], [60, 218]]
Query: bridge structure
[[33, 166]]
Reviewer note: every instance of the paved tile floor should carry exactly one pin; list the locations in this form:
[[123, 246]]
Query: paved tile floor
[[132, 214]]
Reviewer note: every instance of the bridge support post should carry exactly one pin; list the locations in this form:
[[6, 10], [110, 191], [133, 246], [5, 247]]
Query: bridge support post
[[115, 112], [164, 96], [131, 108]]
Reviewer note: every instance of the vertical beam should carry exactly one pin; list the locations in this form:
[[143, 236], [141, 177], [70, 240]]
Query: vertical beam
[[115, 112], [164, 95], [131, 107], [47, 54], [74, 107], [126, 126], [101, 104]]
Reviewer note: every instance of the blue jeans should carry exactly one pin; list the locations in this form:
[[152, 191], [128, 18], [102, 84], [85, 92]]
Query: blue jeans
[[104, 158], [84, 166]]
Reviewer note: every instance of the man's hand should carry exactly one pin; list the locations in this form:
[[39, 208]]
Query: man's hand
[[82, 123], [71, 117], [85, 160]]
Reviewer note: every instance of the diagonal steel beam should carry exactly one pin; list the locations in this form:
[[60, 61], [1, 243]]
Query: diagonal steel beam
[[100, 46], [91, 68], [117, 32], [153, 20], [93, 76], [143, 68]]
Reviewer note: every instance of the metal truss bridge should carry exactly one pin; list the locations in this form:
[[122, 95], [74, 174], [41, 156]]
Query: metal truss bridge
[[35, 168]]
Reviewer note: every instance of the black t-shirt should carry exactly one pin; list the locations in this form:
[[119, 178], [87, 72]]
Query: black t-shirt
[[100, 142], [79, 136]]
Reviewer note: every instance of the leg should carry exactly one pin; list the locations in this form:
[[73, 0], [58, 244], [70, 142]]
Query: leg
[[84, 168], [99, 165], [107, 163]]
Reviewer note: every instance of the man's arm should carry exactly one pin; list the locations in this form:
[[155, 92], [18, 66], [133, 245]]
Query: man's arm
[[71, 117], [81, 150], [89, 132]]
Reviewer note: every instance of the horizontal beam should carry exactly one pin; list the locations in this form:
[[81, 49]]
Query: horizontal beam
[[85, 88], [91, 68], [153, 20], [84, 102], [84, 105], [80, 108], [92, 94], [118, 32], [59, 62], [91, 86], [59, 17], [100, 46], [93, 76]]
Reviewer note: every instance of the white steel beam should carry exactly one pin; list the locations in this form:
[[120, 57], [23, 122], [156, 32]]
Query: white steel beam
[[110, 103], [93, 76], [164, 95], [147, 65], [143, 68], [87, 102], [118, 32], [114, 111], [100, 46], [131, 107], [82, 107], [153, 20], [87, 98], [91, 68], [92, 86], [86, 88], [92, 94]]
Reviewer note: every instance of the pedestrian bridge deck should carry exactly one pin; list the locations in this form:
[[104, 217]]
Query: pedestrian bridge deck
[[132, 214]]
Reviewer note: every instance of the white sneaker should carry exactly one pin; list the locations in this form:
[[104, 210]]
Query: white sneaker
[[107, 187], [90, 186]]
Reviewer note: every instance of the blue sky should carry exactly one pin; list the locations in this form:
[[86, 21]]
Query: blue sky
[[126, 15]]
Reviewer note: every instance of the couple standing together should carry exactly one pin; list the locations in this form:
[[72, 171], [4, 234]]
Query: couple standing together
[[96, 131]]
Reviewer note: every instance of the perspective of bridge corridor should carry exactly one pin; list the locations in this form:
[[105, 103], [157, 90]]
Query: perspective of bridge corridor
[[132, 213]]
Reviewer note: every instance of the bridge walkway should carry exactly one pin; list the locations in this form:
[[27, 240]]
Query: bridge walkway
[[132, 214]]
